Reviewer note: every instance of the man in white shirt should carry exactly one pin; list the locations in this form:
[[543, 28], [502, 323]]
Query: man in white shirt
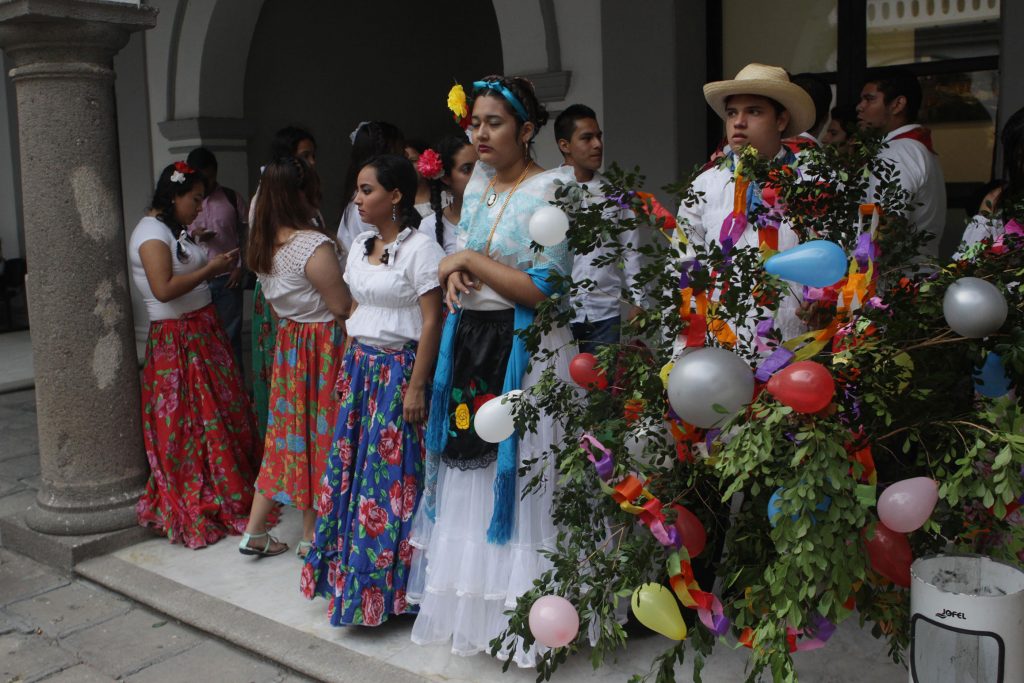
[[597, 312], [890, 104], [760, 107]]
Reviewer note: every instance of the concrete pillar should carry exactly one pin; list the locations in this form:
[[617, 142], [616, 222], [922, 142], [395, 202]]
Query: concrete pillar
[[87, 389]]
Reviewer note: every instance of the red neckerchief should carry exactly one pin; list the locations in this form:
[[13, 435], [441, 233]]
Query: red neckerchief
[[921, 134], [798, 144]]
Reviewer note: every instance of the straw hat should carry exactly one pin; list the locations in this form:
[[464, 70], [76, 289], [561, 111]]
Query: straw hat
[[766, 81]]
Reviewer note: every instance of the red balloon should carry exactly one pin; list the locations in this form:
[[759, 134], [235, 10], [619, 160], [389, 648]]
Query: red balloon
[[804, 386], [691, 531], [584, 371], [889, 553]]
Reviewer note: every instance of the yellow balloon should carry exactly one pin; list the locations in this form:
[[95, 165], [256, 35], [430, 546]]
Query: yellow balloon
[[655, 606], [666, 370]]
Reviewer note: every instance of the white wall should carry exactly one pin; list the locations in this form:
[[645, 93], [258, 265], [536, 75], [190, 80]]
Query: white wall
[[579, 33]]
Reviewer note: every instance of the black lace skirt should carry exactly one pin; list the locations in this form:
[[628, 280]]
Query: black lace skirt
[[482, 347]]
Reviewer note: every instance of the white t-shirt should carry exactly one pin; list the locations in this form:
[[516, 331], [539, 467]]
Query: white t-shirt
[[150, 228], [287, 288], [429, 226], [388, 314]]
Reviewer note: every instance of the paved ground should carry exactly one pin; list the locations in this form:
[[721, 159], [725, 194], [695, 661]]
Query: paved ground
[[114, 626], [55, 627]]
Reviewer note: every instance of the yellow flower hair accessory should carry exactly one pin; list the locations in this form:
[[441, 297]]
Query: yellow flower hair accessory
[[457, 105]]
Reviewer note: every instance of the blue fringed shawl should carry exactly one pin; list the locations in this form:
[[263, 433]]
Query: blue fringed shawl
[[503, 515]]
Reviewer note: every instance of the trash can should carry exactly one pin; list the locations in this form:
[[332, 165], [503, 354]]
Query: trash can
[[966, 620]]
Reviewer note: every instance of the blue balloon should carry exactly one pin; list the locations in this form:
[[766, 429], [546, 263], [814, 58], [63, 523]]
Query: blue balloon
[[775, 509], [818, 263], [990, 379]]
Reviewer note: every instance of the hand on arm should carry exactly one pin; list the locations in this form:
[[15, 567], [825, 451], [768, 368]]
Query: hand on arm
[[510, 283], [166, 286], [324, 273]]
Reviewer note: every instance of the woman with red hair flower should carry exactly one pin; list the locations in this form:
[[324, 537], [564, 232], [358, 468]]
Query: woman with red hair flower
[[197, 422]]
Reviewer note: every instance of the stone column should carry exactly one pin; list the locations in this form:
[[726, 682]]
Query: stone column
[[87, 389]]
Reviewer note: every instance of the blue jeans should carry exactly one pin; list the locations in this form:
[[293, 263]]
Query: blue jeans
[[228, 302], [590, 335]]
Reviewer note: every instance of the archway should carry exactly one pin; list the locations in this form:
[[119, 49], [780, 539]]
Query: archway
[[329, 66]]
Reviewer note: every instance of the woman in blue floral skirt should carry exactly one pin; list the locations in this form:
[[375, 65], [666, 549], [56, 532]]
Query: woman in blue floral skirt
[[361, 555]]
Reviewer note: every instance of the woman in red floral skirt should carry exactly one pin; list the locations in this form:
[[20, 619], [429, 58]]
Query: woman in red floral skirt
[[299, 268], [197, 422]]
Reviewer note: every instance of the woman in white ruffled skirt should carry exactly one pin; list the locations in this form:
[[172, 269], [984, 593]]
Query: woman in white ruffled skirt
[[476, 541]]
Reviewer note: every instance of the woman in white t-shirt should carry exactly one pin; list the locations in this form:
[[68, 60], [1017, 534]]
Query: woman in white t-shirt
[[458, 158], [299, 270], [361, 556], [197, 422]]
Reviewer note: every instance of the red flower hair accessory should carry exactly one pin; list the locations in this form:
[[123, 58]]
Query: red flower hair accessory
[[181, 169], [429, 165]]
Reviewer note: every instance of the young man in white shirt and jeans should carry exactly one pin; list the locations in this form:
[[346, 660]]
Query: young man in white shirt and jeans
[[890, 104], [597, 312]]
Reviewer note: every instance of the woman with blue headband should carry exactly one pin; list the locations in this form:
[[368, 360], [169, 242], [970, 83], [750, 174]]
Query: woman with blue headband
[[478, 541]]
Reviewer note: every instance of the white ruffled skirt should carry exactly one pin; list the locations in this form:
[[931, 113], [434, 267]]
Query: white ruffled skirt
[[462, 583]]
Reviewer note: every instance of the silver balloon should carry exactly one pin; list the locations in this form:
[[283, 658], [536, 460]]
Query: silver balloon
[[974, 308], [706, 378]]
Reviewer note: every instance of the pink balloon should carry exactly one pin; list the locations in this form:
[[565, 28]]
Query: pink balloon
[[906, 505], [554, 621]]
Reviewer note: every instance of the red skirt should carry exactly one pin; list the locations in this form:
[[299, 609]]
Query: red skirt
[[301, 412], [199, 432]]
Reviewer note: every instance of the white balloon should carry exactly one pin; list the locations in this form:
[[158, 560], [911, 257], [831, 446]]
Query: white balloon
[[707, 378], [493, 421], [548, 226], [974, 308]]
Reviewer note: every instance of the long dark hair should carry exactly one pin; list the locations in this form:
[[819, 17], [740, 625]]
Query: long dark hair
[[446, 149], [372, 139], [289, 192], [395, 172], [286, 141], [1013, 158], [167, 191]]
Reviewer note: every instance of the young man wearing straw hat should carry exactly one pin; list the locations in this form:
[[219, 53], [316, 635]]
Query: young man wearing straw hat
[[760, 107]]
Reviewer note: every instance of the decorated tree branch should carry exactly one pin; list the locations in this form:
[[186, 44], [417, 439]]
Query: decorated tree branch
[[727, 479]]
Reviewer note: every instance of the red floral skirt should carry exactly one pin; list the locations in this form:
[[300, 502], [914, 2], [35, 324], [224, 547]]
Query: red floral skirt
[[199, 432], [302, 411]]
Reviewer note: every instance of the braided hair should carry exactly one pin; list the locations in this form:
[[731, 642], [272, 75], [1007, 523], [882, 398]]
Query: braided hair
[[167, 190], [395, 172], [523, 89], [446, 149]]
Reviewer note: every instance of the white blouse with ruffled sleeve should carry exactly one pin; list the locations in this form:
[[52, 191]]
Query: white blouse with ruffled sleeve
[[388, 313]]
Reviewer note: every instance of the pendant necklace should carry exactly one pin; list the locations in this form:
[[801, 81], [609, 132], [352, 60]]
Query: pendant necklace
[[501, 211], [493, 196]]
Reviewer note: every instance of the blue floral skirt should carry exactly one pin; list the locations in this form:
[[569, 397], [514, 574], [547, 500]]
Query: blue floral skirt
[[361, 554]]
